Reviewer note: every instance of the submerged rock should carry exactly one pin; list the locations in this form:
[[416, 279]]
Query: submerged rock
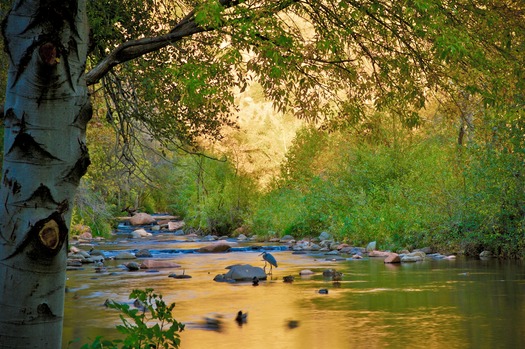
[[125, 255], [158, 264]]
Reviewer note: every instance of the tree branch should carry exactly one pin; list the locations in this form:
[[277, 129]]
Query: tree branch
[[137, 48]]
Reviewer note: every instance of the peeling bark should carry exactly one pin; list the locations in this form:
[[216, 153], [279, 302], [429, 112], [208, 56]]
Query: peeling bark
[[46, 112]]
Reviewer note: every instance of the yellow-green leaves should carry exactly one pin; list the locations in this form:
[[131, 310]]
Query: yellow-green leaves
[[208, 14]]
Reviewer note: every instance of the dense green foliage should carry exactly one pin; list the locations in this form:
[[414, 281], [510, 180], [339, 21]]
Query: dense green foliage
[[405, 188], [423, 190], [137, 328]]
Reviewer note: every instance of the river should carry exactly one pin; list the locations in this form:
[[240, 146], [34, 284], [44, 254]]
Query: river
[[462, 303]]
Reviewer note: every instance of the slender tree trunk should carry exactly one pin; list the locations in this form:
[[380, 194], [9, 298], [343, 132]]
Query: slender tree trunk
[[46, 112]]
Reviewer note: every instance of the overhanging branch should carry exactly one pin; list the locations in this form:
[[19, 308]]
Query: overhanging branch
[[137, 48]]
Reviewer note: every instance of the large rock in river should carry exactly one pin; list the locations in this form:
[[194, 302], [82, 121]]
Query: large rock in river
[[217, 247], [393, 258], [141, 219], [244, 272]]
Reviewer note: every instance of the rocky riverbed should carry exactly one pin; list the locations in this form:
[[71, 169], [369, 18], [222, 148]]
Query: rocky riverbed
[[86, 250]]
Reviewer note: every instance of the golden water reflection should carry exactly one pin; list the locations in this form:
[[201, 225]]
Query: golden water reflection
[[441, 304]]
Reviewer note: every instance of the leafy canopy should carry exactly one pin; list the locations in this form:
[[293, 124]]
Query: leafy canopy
[[329, 61]]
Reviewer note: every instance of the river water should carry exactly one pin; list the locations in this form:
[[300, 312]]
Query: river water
[[462, 303]]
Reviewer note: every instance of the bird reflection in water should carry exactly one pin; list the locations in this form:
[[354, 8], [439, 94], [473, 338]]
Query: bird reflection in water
[[241, 318], [211, 323]]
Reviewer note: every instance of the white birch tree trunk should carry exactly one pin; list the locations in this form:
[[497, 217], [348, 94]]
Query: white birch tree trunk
[[46, 112]]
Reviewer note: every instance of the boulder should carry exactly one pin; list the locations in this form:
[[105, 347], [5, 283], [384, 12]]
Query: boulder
[[417, 256], [393, 258], [418, 253], [245, 272], [242, 237], [157, 264], [133, 266], [357, 250], [371, 246], [76, 256], [343, 247], [139, 233], [410, 259], [83, 253], [306, 272], [485, 254], [141, 219], [325, 236], [71, 262], [217, 247], [144, 253], [74, 249], [125, 255], [325, 243], [175, 225], [94, 259], [97, 253], [86, 236], [287, 238], [425, 250], [314, 247], [378, 254], [334, 246]]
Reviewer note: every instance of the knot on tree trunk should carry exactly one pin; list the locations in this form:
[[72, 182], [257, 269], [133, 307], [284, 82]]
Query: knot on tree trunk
[[49, 54]]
